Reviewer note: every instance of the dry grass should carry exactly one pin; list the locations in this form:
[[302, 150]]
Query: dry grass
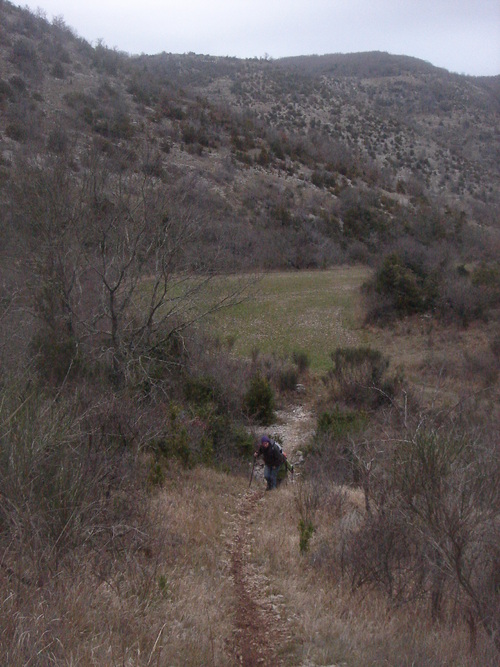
[[331, 625], [439, 360], [166, 603], [172, 601]]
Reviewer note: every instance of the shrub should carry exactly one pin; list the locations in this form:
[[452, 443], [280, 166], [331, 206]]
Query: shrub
[[434, 535], [242, 441], [174, 442], [24, 55], [487, 275], [54, 466], [259, 400], [201, 390], [57, 141], [339, 448], [306, 531], [16, 131], [6, 92], [307, 501], [287, 378], [18, 83], [58, 71], [57, 355], [495, 347], [302, 360], [410, 291], [462, 301], [358, 376]]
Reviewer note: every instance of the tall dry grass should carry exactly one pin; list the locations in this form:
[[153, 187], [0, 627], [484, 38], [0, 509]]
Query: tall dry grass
[[157, 594]]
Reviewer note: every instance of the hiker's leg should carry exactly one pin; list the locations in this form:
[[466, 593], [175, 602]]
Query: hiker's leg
[[273, 478], [268, 476]]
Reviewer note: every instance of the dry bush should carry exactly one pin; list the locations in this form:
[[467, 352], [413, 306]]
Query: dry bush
[[428, 531], [328, 623], [282, 371], [359, 377], [67, 476], [462, 301], [435, 532]]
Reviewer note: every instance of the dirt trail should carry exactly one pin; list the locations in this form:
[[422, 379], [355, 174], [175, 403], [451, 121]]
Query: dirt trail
[[257, 628], [259, 631]]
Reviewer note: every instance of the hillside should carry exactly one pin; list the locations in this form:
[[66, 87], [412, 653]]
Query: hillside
[[300, 162]]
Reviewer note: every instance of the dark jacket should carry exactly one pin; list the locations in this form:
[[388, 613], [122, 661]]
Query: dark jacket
[[272, 455]]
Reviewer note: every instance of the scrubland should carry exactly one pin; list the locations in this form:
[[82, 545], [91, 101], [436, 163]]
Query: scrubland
[[382, 549], [196, 250]]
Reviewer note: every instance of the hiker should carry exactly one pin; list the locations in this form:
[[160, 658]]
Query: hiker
[[274, 459]]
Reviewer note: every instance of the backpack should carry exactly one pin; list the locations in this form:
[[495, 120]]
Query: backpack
[[286, 466]]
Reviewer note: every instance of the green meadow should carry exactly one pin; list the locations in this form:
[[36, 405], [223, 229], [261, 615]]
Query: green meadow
[[310, 311]]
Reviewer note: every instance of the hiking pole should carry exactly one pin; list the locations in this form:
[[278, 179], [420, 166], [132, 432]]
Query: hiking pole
[[253, 468]]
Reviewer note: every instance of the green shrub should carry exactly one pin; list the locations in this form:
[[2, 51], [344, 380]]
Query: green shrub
[[200, 390], [242, 441], [410, 291], [306, 531], [287, 378], [174, 443], [16, 131], [156, 476], [487, 275], [302, 360], [259, 400]]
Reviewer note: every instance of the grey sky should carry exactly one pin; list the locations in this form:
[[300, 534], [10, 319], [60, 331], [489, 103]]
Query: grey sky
[[460, 35]]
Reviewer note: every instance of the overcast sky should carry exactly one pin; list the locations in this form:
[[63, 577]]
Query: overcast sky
[[461, 35]]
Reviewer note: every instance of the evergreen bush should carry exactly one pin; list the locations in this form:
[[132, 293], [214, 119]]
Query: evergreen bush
[[259, 400]]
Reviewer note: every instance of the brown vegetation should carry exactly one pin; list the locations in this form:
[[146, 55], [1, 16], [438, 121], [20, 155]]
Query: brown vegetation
[[127, 532]]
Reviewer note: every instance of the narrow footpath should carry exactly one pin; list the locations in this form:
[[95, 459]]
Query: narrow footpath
[[259, 631]]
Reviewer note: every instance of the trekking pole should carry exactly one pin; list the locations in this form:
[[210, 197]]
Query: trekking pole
[[253, 468]]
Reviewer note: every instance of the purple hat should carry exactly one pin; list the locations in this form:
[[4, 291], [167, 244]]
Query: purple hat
[[265, 439]]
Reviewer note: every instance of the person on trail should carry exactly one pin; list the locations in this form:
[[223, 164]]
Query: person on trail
[[274, 459]]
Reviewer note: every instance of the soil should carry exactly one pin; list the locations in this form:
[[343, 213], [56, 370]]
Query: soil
[[258, 629]]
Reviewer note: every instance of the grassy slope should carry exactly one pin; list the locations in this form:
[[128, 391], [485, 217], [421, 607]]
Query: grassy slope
[[314, 311]]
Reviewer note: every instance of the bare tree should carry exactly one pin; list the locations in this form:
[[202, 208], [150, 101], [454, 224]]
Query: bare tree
[[109, 261]]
